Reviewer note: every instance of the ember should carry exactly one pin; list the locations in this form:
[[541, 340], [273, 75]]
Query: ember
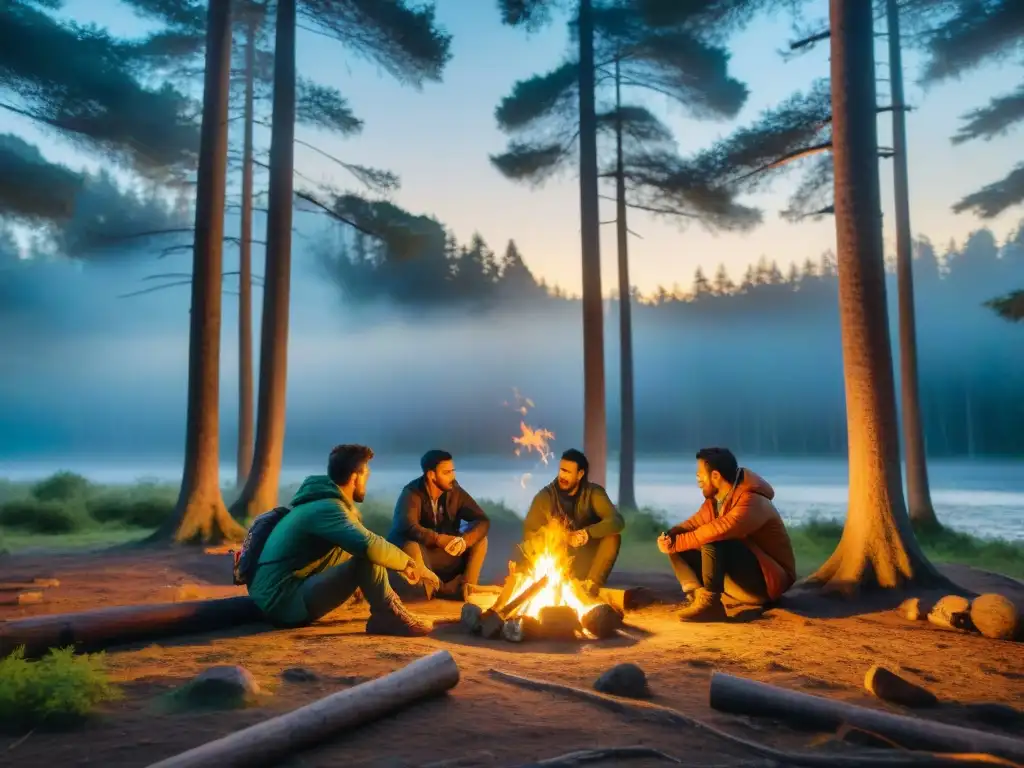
[[543, 600]]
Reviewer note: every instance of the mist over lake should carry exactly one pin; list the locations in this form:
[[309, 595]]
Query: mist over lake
[[985, 498]]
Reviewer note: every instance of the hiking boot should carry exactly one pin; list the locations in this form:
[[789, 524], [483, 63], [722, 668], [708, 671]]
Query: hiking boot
[[395, 620], [705, 606]]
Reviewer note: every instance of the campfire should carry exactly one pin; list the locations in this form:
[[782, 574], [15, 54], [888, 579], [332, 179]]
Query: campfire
[[542, 600]]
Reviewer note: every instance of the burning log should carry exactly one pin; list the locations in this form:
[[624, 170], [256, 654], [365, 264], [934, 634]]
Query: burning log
[[559, 622], [92, 630], [508, 611], [740, 696], [602, 621], [280, 737]]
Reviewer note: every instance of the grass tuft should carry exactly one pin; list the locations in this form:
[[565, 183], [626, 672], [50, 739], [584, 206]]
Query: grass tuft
[[58, 690]]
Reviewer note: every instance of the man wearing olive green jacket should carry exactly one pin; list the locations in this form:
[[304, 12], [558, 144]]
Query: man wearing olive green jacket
[[595, 525], [320, 553]]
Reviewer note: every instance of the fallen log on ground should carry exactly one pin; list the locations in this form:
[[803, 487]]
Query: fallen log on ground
[[740, 696], [659, 714], [103, 627], [280, 737]]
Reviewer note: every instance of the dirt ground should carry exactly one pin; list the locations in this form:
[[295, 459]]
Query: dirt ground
[[822, 647]]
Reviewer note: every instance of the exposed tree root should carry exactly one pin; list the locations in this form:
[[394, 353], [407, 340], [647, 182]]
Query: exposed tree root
[[662, 715]]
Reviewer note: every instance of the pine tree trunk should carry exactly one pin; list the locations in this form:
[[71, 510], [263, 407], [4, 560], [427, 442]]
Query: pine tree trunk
[[595, 418], [200, 514], [877, 548], [627, 439], [919, 501], [261, 487], [245, 416]]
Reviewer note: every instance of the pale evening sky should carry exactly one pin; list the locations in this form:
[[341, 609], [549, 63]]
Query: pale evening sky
[[438, 141]]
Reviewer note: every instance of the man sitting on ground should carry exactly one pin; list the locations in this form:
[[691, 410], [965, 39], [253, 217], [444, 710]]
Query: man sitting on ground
[[320, 553], [594, 523], [441, 527], [736, 543]]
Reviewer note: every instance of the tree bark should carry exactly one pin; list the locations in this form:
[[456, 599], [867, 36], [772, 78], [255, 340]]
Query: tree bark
[[627, 416], [877, 548], [261, 487], [245, 415], [919, 501], [200, 514], [595, 418]]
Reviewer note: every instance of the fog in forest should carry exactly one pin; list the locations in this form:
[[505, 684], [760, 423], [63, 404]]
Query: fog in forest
[[403, 356]]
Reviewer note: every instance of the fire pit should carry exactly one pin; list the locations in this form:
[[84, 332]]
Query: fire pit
[[544, 601]]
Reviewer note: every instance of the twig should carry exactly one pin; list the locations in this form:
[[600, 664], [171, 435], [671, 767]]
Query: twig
[[662, 715]]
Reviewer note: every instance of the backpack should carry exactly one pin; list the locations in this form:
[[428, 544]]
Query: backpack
[[247, 559]]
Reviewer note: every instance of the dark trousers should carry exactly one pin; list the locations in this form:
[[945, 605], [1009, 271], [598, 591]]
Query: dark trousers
[[467, 565], [710, 565], [595, 559], [324, 592]]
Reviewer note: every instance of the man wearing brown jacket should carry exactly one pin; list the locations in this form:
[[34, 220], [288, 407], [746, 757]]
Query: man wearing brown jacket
[[736, 543], [439, 525]]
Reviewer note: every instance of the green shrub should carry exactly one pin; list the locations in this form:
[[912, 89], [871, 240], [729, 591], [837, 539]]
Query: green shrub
[[59, 688], [47, 517], [645, 524], [145, 505], [61, 486]]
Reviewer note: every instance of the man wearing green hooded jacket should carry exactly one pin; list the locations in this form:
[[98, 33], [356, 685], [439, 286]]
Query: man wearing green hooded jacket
[[320, 553], [595, 525]]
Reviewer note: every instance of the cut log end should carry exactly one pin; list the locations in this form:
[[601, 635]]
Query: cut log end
[[889, 686]]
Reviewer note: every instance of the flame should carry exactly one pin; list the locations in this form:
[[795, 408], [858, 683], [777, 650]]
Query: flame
[[547, 554], [538, 440]]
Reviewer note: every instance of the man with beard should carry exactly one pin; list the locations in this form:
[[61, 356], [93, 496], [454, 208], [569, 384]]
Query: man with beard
[[441, 527], [736, 543], [320, 553], [595, 525]]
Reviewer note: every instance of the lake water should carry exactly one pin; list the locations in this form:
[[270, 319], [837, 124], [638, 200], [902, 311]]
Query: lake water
[[983, 497]]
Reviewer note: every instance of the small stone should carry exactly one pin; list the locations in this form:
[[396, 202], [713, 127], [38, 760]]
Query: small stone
[[890, 687], [624, 680], [995, 616], [299, 675], [30, 598], [911, 609], [602, 621], [46, 582], [951, 612], [220, 686], [471, 617]]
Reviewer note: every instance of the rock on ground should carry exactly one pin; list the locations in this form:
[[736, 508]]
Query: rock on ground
[[220, 686], [995, 616], [624, 680]]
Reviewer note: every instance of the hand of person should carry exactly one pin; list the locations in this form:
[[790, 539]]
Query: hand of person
[[511, 567], [430, 579], [579, 538], [411, 573], [665, 544], [456, 546]]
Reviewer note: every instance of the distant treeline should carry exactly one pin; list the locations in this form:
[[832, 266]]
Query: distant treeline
[[754, 363]]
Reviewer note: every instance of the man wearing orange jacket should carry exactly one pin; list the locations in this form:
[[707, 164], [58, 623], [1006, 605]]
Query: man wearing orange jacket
[[736, 543]]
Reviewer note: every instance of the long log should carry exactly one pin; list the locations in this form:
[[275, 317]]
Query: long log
[[103, 627], [659, 714], [280, 737], [740, 696]]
